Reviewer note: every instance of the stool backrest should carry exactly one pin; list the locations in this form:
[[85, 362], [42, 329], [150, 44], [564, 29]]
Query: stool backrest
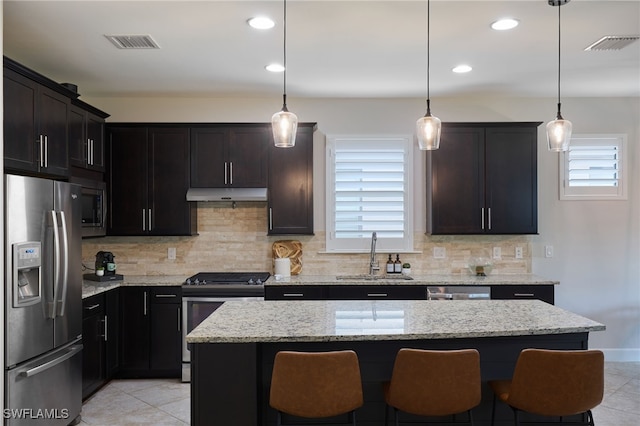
[[556, 382], [435, 383], [316, 384]]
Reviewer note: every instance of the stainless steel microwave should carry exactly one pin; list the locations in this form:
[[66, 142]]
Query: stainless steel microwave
[[94, 207]]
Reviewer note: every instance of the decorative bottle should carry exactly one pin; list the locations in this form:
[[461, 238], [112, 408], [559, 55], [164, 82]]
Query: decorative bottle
[[390, 266], [397, 265]]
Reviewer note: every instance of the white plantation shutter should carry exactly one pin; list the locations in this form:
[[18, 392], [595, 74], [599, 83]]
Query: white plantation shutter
[[369, 185], [594, 168]]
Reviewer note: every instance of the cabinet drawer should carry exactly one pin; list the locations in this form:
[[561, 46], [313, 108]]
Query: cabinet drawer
[[167, 294], [373, 292], [294, 292], [541, 292], [93, 305]]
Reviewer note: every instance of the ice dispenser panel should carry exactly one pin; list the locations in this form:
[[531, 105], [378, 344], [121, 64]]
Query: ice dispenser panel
[[27, 278]]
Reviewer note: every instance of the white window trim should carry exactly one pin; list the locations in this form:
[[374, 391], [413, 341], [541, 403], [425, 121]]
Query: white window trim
[[596, 193], [382, 246]]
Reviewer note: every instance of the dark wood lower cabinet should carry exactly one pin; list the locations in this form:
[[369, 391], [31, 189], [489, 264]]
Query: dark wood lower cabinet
[[94, 373]]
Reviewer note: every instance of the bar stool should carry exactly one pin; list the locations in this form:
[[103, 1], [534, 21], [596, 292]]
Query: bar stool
[[316, 384], [553, 383], [433, 383]]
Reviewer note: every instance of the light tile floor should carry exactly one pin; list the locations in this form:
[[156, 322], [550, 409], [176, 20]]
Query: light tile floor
[[166, 402]]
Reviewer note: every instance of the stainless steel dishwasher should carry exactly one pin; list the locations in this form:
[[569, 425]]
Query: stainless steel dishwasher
[[472, 292]]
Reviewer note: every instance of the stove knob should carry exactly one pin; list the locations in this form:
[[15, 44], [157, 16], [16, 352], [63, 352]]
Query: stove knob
[[259, 281], [203, 282], [188, 282], [250, 281], [197, 281]]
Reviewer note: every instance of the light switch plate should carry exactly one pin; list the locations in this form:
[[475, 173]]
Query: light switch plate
[[518, 252], [497, 253], [171, 253], [439, 252], [548, 251]]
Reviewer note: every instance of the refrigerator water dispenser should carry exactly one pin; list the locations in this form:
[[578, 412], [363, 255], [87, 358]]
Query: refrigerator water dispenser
[[27, 278]]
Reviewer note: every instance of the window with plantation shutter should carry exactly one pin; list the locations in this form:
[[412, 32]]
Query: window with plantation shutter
[[368, 187], [594, 168]]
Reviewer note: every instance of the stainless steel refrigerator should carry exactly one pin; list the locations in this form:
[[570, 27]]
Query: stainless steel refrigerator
[[43, 302]]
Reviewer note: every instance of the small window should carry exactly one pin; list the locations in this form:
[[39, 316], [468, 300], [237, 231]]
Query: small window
[[594, 168], [368, 190]]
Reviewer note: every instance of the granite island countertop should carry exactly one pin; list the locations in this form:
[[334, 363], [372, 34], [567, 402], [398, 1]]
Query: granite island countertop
[[397, 279], [326, 321]]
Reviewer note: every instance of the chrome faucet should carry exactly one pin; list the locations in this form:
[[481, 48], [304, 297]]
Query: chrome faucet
[[373, 265]]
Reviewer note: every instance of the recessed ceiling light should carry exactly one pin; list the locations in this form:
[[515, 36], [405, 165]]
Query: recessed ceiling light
[[274, 68], [261, 23], [460, 69], [505, 24]]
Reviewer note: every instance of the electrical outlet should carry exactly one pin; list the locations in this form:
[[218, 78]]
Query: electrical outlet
[[497, 253], [171, 253], [518, 252], [548, 251], [439, 252]]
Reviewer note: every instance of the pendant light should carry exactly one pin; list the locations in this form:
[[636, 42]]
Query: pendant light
[[284, 123], [559, 130], [428, 128]]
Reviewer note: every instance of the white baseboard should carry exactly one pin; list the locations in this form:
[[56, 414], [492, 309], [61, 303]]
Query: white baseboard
[[621, 355]]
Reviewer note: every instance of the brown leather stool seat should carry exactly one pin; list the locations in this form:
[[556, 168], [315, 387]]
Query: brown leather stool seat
[[316, 384], [434, 383], [553, 383]]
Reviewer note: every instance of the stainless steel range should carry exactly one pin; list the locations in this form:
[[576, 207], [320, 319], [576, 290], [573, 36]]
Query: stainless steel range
[[205, 292]]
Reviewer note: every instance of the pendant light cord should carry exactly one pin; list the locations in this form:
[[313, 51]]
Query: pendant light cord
[[559, 116], [284, 55], [428, 63]]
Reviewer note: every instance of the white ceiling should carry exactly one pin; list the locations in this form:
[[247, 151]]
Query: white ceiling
[[335, 48]]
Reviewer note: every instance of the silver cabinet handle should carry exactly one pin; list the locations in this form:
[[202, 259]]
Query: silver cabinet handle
[[166, 295], [377, 294], [88, 151], [179, 319], [523, 295], [270, 219], [225, 172], [231, 173], [489, 216], [149, 219], [106, 328], [482, 217], [144, 310], [293, 295], [144, 220], [41, 140], [92, 307], [46, 151]]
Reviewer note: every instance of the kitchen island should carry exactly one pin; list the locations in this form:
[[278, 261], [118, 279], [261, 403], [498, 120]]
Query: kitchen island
[[233, 349]]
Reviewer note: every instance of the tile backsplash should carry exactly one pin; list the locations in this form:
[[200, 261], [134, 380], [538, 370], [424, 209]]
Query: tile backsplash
[[235, 239]]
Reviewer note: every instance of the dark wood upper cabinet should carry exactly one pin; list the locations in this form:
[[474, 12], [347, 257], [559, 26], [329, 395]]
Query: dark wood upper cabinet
[[86, 137], [229, 156], [35, 123], [291, 185], [148, 178], [483, 179]]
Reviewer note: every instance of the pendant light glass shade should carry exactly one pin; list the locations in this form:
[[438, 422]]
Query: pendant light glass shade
[[428, 128], [284, 124], [559, 130]]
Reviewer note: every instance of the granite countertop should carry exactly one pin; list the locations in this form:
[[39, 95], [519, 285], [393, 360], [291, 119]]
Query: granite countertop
[[396, 279], [324, 321], [91, 288]]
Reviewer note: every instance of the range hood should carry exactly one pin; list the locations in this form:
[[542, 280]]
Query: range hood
[[227, 194]]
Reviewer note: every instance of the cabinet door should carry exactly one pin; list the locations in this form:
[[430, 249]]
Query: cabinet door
[[112, 319], [77, 137], [166, 338], [541, 292], [171, 214], [19, 122], [295, 292], [52, 125], [134, 336], [376, 292], [127, 178], [248, 157], [291, 186], [95, 136], [455, 182], [209, 166], [511, 176], [93, 355]]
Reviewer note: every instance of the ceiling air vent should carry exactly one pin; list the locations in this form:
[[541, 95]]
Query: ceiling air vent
[[133, 41], [612, 42]]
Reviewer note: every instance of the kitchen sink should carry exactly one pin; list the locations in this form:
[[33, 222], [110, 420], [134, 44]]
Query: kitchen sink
[[367, 277]]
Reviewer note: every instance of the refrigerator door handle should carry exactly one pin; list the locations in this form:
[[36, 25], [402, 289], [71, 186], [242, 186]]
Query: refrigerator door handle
[[64, 265], [53, 307], [47, 365]]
